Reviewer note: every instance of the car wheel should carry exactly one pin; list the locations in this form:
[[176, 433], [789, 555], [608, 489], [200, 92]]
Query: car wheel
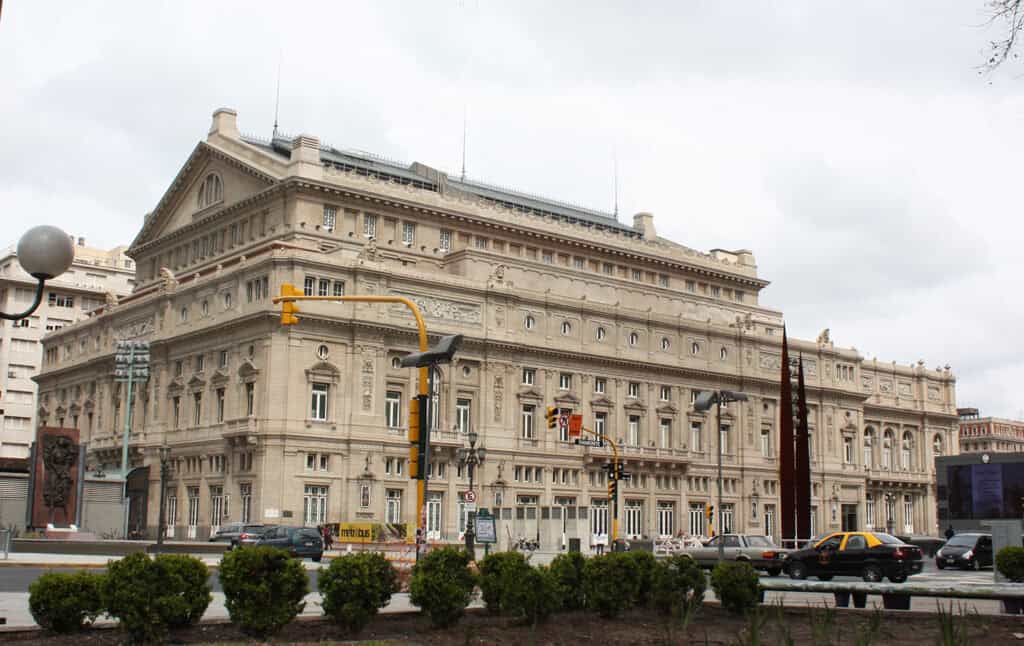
[[774, 571], [872, 573], [899, 578], [825, 577], [797, 570], [940, 565]]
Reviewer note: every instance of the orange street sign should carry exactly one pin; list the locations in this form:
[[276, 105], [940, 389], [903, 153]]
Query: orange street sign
[[575, 425]]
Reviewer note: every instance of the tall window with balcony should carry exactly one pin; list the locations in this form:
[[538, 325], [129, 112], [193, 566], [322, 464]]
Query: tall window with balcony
[[445, 242], [869, 440], [633, 429], [848, 449], [766, 442], [463, 407], [601, 423], [314, 505], [633, 390], [526, 417], [906, 447], [665, 432], [887, 450], [408, 234], [318, 404], [393, 506], [330, 217], [695, 437], [197, 408], [369, 226], [393, 408]]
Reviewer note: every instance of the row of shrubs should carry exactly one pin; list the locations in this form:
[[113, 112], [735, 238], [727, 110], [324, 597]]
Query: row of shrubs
[[264, 589]]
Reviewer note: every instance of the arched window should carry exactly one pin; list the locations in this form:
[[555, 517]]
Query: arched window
[[566, 327], [869, 442], [210, 191], [530, 322], [665, 343], [905, 451], [695, 348], [887, 440], [634, 338], [937, 444], [723, 353], [601, 334]]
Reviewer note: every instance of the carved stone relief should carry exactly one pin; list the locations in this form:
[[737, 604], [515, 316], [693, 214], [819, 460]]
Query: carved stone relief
[[904, 389], [770, 361], [884, 386], [866, 384], [134, 329], [59, 455], [366, 377], [441, 308], [933, 393], [499, 393]]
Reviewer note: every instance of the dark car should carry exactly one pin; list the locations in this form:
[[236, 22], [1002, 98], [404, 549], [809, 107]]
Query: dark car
[[299, 541], [238, 534], [969, 550], [870, 555]]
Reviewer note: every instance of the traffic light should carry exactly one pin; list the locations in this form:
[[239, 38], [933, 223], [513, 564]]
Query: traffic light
[[619, 471], [613, 487], [552, 416], [709, 511], [418, 437], [288, 308]]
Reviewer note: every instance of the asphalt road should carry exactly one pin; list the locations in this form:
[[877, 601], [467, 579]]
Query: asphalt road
[[17, 579]]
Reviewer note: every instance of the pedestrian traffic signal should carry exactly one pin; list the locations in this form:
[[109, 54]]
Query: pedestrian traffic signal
[[288, 308], [552, 416]]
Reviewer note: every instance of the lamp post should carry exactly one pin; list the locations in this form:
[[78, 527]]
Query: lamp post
[[165, 467], [705, 401], [470, 458], [890, 512], [44, 252]]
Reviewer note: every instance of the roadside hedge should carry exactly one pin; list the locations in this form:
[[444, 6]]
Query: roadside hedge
[[1010, 563], [611, 583], [264, 588], [354, 586], [736, 585], [442, 585], [65, 602]]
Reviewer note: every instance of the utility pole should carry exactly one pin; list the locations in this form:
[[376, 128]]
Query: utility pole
[[131, 361]]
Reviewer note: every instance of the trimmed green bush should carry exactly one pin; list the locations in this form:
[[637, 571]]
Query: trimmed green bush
[[530, 594], [644, 562], [149, 597], [678, 586], [1010, 563], [442, 585], [736, 585], [610, 583], [65, 602], [567, 570], [355, 586], [496, 574], [264, 589]]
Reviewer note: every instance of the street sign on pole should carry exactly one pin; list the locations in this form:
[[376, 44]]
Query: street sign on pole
[[563, 421], [469, 496], [590, 442], [575, 425]]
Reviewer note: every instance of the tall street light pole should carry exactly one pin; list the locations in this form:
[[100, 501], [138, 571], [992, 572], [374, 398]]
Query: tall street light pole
[[471, 458], [165, 467], [704, 402]]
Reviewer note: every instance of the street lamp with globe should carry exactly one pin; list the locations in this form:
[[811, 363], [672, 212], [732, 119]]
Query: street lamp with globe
[[45, 252], [470, 458]]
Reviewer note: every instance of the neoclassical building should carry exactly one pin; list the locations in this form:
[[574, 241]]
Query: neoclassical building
[[559, 305]]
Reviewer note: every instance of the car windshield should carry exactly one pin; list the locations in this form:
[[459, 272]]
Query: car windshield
[[963, 539], [758, 541], [888, 539]]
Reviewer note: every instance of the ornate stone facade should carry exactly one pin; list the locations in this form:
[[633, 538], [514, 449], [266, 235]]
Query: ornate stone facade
[[557, 303]]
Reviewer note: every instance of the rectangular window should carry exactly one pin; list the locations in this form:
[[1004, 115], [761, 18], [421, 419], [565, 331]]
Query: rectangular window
[[662, 280], [462, 415], [691, 286], [666, 519], [393, 506], [696, 518], [222, 361], [250, 398], [634, 430], [740, 296], [319, 402], [716, 291], [529, 376], [637, 274], [848, 450], [393, 409], [634, 518], [370, 226], [330, 217], [565, 381], [445, 243], [408, 233], [339, 288], [364, 496], [766, 442], [695, 436], [547, 257], [200, 363], [314, 505], [323, 287], [309, 286], [665, 430], [665, 393], [725, 519], [601, 423], [633, 390], [723, 438], [245, 497], [600, 385], [197, 408], [220, 404], [527, 421]]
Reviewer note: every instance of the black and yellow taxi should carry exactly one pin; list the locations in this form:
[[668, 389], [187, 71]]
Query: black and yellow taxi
[[871, 555]]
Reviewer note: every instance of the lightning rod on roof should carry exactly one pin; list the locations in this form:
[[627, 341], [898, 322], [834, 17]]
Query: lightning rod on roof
[[615, 173], [277, 99], [463, 143]]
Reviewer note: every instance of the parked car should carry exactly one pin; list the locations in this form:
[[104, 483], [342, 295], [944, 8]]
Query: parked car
[[302, 542], [968, 550], [870, 555], [238, 534], [757, 550]]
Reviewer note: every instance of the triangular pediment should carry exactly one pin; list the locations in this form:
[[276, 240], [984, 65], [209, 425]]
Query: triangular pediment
[[247, 369], [530, 393], [602, 401], [180, 205], [220, 376], [635, 405], [196, 382], [567, 398], [667, 409]]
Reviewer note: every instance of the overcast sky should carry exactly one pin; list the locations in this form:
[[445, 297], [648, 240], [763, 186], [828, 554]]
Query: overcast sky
[[852, 146]]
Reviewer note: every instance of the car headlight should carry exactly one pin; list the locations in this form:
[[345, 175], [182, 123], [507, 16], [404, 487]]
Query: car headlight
[[939, 553], [969, 554]]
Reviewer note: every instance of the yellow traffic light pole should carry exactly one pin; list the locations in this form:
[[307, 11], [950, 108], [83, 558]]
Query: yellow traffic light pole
[[290, 294], [613, 501]]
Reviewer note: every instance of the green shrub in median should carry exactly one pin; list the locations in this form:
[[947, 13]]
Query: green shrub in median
[[610, 583], [354, 586], [530, 594], [1010, 563], [151, 596], [567, 571], [678, 586], [442, 585], [496, 573], [644, 562], [65, 602], [736, 585], [264, 589]]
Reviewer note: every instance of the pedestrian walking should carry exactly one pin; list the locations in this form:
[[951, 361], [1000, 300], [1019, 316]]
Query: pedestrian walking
[[328, 538], [949, 532]]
